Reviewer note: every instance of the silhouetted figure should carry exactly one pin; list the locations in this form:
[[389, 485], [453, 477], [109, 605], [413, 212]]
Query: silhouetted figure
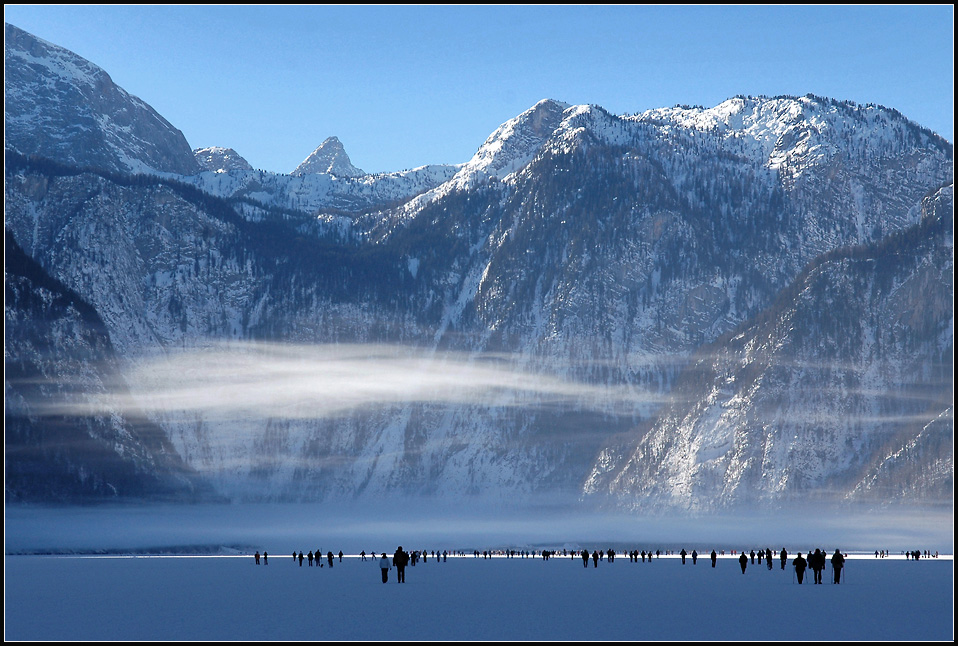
[[714, 556], [400, 560], [768, 557], [340, 556], [585, 558], [309, 557], [784, 557], [329, 558], [838, 561], [743, 561], [362, 555], [319, 557], [384, 566], [595, 559], [753, 557], [300, 559], [800, 564], [682, 554], [817, 562], [256, 556], [695, 557], [265, 558]]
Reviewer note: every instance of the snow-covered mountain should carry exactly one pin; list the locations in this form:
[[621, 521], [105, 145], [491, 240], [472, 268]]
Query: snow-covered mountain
[[512, 327], [843, 388], [329, 158], [58, 351], [60, 106], [220, 160]]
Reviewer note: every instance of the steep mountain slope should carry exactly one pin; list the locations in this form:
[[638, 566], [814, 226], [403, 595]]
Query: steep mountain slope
[[484, 329], [329, 158], [60, 106], [842, 390], [57, 350]]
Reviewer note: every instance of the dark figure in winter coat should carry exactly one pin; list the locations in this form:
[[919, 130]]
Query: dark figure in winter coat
[[817, 563], [256, 556], [784, 557], [309, 557], [585, 558], [340, 556], [682, 554], [768, 557], [265, 558], [743, 561], [714, 556], [329, 558], [400, 560], [838, 561], [800, 564], [695, 557], [300, 559], [595, 559], [753, 557]]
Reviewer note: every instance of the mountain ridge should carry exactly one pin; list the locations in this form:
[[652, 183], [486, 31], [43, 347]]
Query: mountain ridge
[[585, 256]]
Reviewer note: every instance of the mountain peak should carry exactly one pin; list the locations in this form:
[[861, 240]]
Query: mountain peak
[[63, 107], [329, 158], [220, 160]]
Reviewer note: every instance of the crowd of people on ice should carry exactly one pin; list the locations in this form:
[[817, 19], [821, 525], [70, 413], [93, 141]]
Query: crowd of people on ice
[[816, 561]]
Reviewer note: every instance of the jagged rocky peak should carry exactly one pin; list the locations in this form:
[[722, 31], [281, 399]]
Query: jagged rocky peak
[[329, 158], [60, 106], [220, 160], [514, 143]]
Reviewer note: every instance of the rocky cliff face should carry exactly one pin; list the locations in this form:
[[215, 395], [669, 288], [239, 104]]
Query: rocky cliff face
[[517, 326], [842, 389], [61, 106], [329, 158], [220, 160], [59, 359]]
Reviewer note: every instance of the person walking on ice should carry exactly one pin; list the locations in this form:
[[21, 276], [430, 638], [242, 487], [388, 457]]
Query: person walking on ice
[[385, 567], [800, 564], [400, 560], [838, 561]]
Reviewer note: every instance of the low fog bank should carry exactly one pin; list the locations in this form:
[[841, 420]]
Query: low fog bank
[[281, 528]]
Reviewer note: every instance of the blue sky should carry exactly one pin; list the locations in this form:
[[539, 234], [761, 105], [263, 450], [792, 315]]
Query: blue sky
[[403, 86]]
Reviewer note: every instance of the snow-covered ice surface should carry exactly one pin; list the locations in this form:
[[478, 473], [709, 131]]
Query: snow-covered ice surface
[[223, 595], [206, 586], [230, 598]]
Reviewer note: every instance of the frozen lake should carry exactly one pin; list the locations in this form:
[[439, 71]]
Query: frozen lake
[[231, 598], [208, 587]]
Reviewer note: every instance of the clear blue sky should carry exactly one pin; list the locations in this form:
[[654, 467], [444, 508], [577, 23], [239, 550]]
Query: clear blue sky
[[403, 86]]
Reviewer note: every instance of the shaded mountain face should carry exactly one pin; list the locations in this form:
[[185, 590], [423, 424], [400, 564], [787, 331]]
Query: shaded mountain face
[[57, 350], [508, 328], [841, 390]]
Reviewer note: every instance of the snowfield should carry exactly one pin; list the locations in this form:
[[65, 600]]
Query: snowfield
[[224, 595]]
